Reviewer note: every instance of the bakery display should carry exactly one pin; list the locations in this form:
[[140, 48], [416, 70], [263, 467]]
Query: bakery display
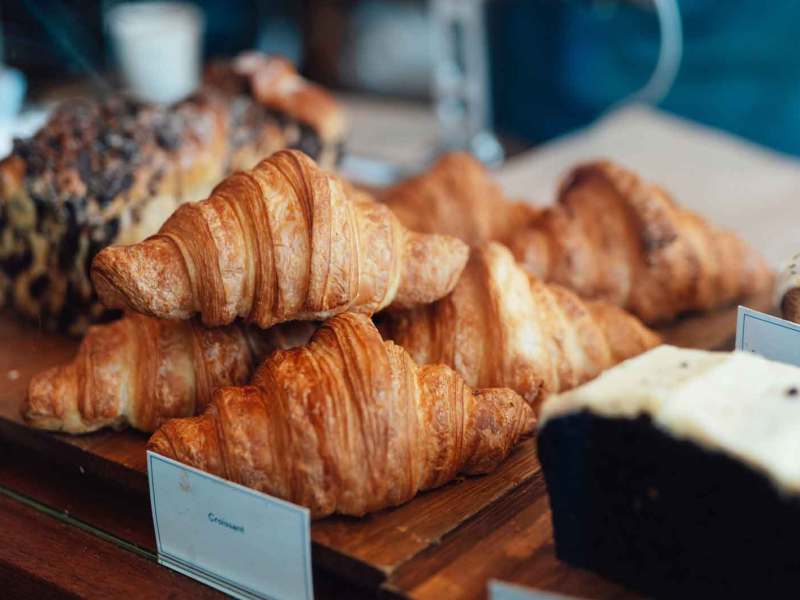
[[139, 372], [612, 236], [280, 242], [503, 327], [110, 171], [348, 424], [303, 328], [457, 196], [676, 473], [348, 348]]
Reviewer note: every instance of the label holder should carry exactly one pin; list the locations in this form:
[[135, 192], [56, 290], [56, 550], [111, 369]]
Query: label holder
[[230, 493], [502, 590], [771, 337]]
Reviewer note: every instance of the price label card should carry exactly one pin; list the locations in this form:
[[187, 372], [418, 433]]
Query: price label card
[[771, 337], [245, 543], [499, 590]]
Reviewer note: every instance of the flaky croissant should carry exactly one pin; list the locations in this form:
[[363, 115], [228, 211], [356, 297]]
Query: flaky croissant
[[348, 424], [281, 242], [141, 371], [613, 237], [457, 197], [502, 327]]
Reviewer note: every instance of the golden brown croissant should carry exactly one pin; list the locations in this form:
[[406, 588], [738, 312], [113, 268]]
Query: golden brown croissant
[[281, 242], [502, 327], [457, 197], [613, 237], [141, 371], [348, 424]]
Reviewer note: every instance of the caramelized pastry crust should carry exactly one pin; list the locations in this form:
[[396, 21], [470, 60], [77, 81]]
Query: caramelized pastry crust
[[503, 327], [139, 372], [613, 237], [348, 424], [284, 241], [457, 197]]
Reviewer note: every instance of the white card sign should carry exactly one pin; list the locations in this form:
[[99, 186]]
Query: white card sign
[[771, 337], [245, 543], [500, 590]]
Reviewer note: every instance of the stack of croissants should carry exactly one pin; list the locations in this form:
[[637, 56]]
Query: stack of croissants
[[248, 345]]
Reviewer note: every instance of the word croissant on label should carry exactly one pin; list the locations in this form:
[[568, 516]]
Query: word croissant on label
[[141, 371], [348, 424], [284, 241], [503, 327], [613, 237]]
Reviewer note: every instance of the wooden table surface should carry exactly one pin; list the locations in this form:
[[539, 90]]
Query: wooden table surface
[[98, 482], [445, 543]]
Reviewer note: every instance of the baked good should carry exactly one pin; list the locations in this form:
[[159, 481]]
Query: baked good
[[111, 171], [614, 237], [280, 242], [787, 289], [139, 372], [96, 173], [503, 327], [309, 117], [348, 424], [457, 196], [676, 474]]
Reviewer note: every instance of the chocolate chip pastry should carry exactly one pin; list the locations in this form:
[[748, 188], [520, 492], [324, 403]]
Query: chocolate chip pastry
[[112, 170]]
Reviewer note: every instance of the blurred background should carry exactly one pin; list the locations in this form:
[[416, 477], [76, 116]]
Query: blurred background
[[495, 76]]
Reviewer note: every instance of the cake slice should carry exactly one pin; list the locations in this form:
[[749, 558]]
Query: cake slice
[[677, 473]]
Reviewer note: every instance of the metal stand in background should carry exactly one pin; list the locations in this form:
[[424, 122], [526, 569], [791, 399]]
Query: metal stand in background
[[461, 79]]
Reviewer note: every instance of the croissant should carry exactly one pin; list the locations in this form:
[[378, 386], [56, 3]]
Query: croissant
[[141, 371], [457, 197], [348, 424], [613, 237], [282, 242], [502, 327]]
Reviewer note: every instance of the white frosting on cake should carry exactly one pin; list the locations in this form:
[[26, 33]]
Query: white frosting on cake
[[738, 403]]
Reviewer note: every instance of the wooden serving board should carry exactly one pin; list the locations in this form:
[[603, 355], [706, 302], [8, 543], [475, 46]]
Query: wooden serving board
[[444, 543]]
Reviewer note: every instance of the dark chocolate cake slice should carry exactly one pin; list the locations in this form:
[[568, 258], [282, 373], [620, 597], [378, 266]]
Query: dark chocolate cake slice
[[677, 474]]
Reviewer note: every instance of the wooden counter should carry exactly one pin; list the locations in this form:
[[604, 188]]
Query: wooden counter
[[444, 543]]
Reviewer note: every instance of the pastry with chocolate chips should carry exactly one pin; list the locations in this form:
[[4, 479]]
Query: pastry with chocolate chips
[[110, 171]]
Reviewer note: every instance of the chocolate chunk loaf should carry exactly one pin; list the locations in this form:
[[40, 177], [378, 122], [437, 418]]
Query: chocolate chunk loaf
[[678, 474], [268, 89], [110, 171]]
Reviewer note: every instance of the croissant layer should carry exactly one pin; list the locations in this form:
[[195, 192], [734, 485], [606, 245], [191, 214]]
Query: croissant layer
[[457, 197], [285, 241], [503, 327], [348, 424], [613, 237], [140, 371]]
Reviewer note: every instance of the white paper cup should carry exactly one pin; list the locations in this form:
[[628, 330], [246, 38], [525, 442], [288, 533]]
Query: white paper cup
[[158, 47]]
